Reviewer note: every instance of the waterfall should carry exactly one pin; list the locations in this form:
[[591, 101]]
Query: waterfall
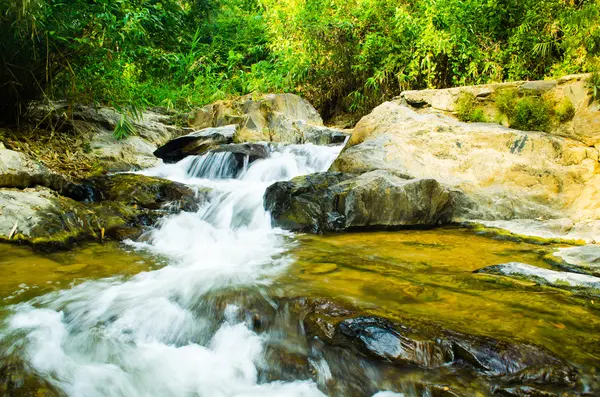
[[153, 334]]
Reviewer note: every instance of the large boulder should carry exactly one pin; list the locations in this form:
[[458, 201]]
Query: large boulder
[[379, 199], [584, 126], [120, 206], [196, 143], [285, 118], [506, 173]]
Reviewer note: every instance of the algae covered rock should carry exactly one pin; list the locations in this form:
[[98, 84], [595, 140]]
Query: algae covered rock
[[337, 201], [143, 191], [565, 280], [122, 206]]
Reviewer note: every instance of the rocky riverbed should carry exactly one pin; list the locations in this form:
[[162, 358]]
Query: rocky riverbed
[[444, 258]]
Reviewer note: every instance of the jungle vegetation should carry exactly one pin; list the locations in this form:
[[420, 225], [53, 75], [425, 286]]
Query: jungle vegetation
[[342, 55]]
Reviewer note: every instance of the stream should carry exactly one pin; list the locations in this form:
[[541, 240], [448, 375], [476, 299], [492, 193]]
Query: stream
[[203, 304]]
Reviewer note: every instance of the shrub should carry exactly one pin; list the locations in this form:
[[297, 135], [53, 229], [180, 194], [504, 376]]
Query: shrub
[[594, 85], [467, 108], [531, 114], [506, 100], [565, 111]]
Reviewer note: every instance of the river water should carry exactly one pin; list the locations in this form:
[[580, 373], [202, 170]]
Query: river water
[[184, 315], [150, 335]]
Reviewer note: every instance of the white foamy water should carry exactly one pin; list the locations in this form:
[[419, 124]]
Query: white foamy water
[[148, 335]]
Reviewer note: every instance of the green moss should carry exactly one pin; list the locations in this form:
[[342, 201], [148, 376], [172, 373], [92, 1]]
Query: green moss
[[468, 109], [532, 114], [564, 111]]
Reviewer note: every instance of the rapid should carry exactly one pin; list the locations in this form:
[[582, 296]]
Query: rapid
[[157, 333]]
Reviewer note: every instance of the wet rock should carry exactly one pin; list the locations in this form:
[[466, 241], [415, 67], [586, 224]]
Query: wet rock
[[585, 259], [377, 338], [245, 153], [425, 346], [195, 143], [336, 201], [143, 191], [565, 280], [19, 380], [123, 205], [522, 391]]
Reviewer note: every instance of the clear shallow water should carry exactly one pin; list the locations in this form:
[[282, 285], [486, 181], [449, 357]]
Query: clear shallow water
[[190, 323]]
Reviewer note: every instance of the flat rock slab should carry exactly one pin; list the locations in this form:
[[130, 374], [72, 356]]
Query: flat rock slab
[[565, 280]]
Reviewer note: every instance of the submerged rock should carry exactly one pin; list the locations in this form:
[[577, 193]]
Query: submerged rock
[[430, 347], [337, 201], [196, 143], [565, 280], [585, 259]]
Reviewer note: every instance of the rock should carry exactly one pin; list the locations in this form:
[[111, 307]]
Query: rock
[[284, 118], [585, 259], [96, 125], [143, 191], [124, 205], [319, 135], [538, 87], [196, 143], [246, 153], [506, 174], [565, 280], [336, 201], [427, 346], [377, 338], [522, 391]]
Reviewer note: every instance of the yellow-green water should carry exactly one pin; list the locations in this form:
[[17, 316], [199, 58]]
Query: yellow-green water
[[424, 276], [25, 273], [428, 276]]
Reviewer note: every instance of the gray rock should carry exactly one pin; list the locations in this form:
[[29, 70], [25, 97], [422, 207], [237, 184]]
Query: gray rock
[[196, 143], [585, 259], [565, 280], [17, 170], [122, 205], [337, 201]]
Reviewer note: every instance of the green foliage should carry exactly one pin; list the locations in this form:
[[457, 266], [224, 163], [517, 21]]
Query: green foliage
[[565, 111], [506, 100], [531, 114], [343, 55], [593, 84], [467, 108]]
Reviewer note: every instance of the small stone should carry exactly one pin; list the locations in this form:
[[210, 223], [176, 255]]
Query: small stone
[[72, 269], [323, 268]]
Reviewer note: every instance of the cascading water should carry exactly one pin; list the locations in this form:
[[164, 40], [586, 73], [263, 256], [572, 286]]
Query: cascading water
[[153, 334]]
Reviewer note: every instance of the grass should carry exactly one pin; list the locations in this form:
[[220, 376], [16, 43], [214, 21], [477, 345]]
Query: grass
[[468, 110]]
